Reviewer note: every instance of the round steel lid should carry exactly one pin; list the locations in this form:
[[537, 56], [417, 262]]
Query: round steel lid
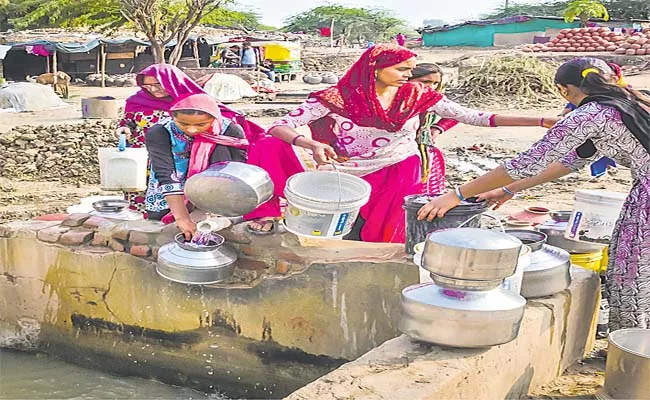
[[474, 238]]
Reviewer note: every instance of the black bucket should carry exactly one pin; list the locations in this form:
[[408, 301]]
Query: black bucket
[[417, 231]]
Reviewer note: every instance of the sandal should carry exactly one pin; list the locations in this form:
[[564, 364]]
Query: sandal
[[264, 223]]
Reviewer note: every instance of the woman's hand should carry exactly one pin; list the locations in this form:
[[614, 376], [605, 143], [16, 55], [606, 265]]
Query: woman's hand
[[323, 153], [187, 227], [435, 133], [549, 122], [495, 198], [438, 207]]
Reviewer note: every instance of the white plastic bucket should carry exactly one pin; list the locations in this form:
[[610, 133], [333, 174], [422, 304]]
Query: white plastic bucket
[[324, 204], [513, 283], [594, 215], [123, 170]]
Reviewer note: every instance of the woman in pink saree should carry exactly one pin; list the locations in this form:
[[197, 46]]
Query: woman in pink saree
[[367, 124]]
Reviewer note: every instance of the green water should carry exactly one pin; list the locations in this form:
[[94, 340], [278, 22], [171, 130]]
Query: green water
[[37, 376]]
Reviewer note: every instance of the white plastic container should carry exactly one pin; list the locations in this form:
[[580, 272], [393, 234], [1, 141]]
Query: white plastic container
[[594, 215], [513, 283], [324, 204], [123, 170]]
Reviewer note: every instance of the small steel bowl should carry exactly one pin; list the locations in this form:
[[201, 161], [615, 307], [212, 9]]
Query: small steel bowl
[[110, 206]]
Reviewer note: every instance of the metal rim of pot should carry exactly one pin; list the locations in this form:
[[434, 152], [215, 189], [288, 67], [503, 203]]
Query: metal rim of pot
[[533, 239], [217, 241]]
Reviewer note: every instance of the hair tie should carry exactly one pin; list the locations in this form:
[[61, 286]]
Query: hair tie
[[588, 71]]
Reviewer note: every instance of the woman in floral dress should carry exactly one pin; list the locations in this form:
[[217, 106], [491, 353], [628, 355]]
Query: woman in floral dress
[[367, 123], [611, 121]]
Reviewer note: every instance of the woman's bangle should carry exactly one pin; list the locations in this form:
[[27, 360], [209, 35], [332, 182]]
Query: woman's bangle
[[508, 191], [541, 123], [459, 194], [295, 139]]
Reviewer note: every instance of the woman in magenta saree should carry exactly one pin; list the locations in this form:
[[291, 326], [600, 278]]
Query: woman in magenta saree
[[367, 124]]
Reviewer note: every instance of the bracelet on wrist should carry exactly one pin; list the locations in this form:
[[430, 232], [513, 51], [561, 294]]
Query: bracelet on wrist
[[459, 194], [541, 123], [508, 191], [295, 139]]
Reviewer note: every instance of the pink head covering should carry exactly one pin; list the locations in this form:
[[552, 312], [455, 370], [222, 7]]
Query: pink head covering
[[175, 82], [204, 143]]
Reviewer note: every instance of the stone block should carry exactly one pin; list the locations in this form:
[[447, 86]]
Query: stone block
[[100, 240], [282, 267], [140, 251], [137, 237], [51, 217], [94, 223], [116, 245], [25, 229], [145, 226], [52, 234], [76, 238], [120, 232], [75, 220]]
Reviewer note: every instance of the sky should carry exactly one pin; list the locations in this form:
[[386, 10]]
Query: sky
[[274, 12]]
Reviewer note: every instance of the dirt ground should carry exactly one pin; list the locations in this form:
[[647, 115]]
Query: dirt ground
[[27, 199]]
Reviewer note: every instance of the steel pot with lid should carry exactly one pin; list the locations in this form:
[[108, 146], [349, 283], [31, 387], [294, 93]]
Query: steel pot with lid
[[549, 270], [457, 318], [481, 256], [185, 262]]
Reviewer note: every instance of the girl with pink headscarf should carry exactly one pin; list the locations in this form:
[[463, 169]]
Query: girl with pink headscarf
[[196, 137], [161, 85]]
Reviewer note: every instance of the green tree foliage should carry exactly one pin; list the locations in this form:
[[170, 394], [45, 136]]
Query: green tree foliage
[[161, 21], [584, 10], [619, 9], [355, 23]]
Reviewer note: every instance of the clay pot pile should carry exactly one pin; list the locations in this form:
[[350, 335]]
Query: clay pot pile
[[635, 45], [125, 80], [580, 40], [314, 78], [64, 153]]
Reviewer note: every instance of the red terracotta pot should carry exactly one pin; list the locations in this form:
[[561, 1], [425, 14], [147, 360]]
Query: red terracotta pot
[[534, 215]]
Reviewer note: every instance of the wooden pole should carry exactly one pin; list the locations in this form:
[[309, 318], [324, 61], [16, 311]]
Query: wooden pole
[[47, 65], [195, 49], [103, 70], [99, 60], [332, 33], [54, 66]]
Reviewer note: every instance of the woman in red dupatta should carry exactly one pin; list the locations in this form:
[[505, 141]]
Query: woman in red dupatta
[[367, 123]]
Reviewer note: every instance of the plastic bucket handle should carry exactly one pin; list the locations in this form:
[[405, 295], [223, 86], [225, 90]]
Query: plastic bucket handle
[[473, 217]]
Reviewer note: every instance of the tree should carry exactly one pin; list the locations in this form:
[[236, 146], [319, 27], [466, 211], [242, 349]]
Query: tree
[[585, 9], [358, 23], [543, 10], [161, 21], [165, 20], [628, 9]]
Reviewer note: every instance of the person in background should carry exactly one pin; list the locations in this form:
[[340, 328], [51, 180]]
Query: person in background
[[160, 86], [197, 137], [367, 124], [250, 57], [268, 69], [205, 52], [431, 126], [611, 120], [231, 56], [401, 39]]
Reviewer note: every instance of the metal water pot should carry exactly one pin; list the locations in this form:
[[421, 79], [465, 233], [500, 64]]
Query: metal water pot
[[554, 230], [184, 262], [549, 270], [229, 189], [457, 318], [466, 257]]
